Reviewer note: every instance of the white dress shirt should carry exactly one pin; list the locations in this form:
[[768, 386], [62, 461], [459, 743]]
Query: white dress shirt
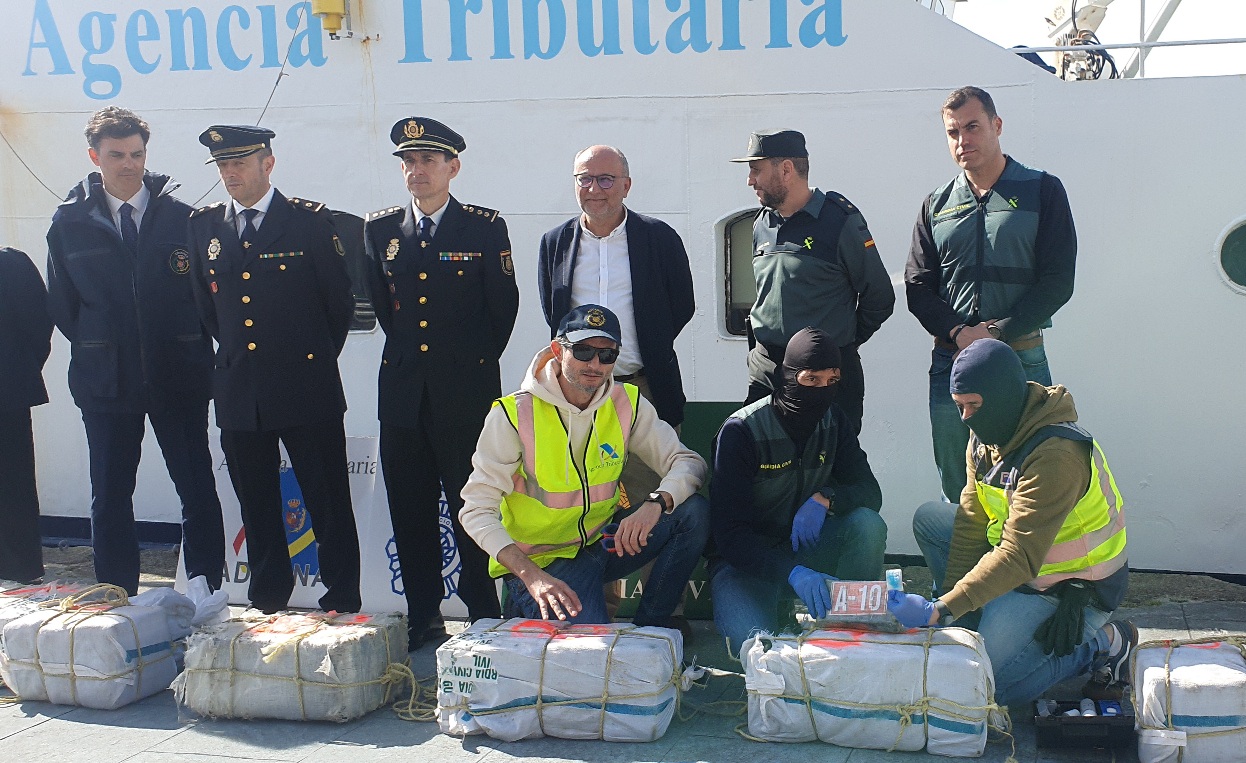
[[436, 216], [260, 206], [603, 276], [138, 201]]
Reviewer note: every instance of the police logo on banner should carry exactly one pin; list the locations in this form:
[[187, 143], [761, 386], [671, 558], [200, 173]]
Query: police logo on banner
[[450, 563]]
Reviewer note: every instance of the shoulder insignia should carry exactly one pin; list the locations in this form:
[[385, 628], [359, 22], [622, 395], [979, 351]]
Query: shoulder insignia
[[843, 203], [485, 212], [382, 213], [208, 208], [314, 206]]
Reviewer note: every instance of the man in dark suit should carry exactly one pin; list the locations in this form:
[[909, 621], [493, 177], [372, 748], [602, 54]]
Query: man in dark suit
[[119, 290], [272, 287], [631, 263], [443, 286], [25, 341]]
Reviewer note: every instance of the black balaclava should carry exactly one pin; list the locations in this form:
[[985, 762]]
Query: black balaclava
[[800, 408], [990, 368]]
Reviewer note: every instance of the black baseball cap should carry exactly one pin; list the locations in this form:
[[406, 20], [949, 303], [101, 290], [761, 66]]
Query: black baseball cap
[[587, 321]]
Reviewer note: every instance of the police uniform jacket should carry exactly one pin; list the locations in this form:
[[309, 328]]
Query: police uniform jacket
[[280, 311], [136, 340], [25, 332], [447, 310]]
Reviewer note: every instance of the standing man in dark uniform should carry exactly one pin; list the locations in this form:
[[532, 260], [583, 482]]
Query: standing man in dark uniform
[[25, 341], [272, 287], [119, 289], [443, 287], [816, 266]]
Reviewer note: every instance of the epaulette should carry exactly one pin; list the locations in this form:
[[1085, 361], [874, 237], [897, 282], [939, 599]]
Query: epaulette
[[485, 212], [839, 201], [208, 208], [382, 213], [314, 206]]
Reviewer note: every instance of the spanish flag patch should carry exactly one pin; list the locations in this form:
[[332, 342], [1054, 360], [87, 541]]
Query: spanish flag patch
[[869, 243]]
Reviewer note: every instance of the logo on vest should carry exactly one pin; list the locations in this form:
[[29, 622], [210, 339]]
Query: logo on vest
[[783, 465], [608, 453]]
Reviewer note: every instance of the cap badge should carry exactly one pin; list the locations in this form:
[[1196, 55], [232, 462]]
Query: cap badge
[[596, 318], [391, 252], [214, 249], [413, 130], [215, 136]]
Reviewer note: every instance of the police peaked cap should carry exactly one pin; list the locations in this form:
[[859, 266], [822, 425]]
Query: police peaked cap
[[235, 141], [424, 134]]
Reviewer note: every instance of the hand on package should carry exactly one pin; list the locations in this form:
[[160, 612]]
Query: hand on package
[[810, 586], [807, 525], [911, 610], [634, 530], [554, 597]]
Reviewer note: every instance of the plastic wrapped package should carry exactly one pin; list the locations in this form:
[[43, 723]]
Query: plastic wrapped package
[[16, 602], [296, 667], [524, 679], [927, 688], [1190, 700], [100, 655]]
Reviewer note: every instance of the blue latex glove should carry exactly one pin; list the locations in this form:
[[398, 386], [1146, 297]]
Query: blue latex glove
[[810, 586], [911, 610], [807, 525]]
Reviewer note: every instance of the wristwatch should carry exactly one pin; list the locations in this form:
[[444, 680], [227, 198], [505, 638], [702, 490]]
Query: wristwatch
[[828, 493], [945, 614], [995, 331], [658, 498]]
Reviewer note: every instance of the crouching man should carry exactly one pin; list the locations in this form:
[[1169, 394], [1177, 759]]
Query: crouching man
[[795, 504], [542, 496], [1033, 558]]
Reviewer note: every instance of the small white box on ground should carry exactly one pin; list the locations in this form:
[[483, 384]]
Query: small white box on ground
[[929, 688], [1190, 700], [524, 679], [295, 667]]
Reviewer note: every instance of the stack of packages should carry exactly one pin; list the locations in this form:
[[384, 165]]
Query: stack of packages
[[96, 648], [295, 667], [523, 679], [1190, 700], [927, 688]]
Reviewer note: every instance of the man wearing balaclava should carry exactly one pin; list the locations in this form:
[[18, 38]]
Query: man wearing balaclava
[[1034, 557], [793, 500]]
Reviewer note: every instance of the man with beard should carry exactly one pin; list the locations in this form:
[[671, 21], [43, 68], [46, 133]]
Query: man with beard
[[1034, 557], [816, 265], [794, 502]]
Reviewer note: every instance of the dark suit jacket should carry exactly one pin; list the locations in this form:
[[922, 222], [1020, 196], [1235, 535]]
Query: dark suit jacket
[[25, 332], [447, 310], [661, 297], [280, 312], [135, 338]]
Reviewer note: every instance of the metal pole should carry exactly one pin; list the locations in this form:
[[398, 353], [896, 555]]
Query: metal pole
[[1141, 38], [1129, 45]]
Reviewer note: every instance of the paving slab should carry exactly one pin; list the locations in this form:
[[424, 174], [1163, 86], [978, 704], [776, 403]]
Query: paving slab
[[1215, 614]]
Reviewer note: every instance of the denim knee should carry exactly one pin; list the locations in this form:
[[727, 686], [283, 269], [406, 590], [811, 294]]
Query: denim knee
[[693, 518], [867, 527], [933, 521]]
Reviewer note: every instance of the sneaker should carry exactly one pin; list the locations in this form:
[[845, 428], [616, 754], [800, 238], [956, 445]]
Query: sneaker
[[1116, 669]]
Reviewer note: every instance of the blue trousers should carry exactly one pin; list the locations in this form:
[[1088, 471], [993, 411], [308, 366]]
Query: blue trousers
[[1007, 623], [947, 431], [115, 441], [674, 547], [850, 547]]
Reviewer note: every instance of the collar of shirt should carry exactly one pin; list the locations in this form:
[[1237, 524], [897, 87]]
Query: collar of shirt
[[260, 206], [436, 216], [813, 208], [138, 201], [618, 231]]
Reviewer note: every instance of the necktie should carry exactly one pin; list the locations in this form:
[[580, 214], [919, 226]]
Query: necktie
[[129, 231], [248, 229], [425, 233]]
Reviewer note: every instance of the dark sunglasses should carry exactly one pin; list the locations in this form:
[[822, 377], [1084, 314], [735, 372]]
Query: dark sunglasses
[[585, 352], [604, 182]]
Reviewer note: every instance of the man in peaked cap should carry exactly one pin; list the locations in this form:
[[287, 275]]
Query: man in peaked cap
[[816, 265], [272, 287], [443, 288]]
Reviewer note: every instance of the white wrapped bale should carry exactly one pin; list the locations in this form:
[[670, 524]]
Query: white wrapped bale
[[17, 602], [1190, 700], [927, 688], [98, 656], [524, 679], [294, 667]]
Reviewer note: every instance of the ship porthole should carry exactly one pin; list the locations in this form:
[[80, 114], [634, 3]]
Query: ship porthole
[[1231, 255]]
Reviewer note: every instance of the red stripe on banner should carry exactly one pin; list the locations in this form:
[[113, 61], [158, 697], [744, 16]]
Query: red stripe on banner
[[238, 539]]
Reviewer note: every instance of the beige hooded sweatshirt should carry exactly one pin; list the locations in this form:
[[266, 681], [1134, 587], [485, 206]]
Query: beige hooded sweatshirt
[[499, 453]]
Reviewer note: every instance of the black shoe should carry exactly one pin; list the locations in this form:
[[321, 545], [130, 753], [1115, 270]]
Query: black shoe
[[1116, 669], [432, 633]]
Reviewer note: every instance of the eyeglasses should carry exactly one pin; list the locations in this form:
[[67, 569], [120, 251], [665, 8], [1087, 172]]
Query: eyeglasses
[[604, 182], [585, 352]]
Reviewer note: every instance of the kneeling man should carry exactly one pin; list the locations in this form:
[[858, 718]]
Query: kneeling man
[[1033, 558], [795, 503], [542, 496]]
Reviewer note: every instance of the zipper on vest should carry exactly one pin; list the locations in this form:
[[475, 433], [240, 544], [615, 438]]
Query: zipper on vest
[[976, 305], [582, 475]]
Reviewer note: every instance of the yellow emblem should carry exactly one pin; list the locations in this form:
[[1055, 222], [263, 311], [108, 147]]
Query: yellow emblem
[[391, 252], [214, 249], [596, 318], [215, 136], [413, 130]]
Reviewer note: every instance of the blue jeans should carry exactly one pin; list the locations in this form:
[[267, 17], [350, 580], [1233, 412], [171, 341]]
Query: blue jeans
[[947, 431], [850, 547], [1007, 623], [675, 547]]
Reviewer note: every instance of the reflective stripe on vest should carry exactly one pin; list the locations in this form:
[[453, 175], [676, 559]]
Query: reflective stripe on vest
[[546, 514], [1091, 542]]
